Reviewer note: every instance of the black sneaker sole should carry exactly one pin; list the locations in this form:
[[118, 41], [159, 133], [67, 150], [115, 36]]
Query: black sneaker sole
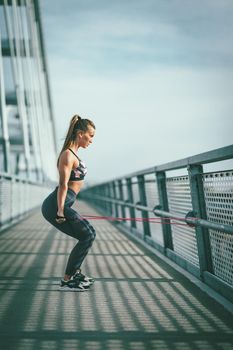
[[83, 281], [68, 289], [88, 283]]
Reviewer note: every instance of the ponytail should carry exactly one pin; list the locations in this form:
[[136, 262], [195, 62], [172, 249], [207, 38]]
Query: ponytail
[[76, 124]]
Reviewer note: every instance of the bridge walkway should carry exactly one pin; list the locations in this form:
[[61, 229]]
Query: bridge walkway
[[137, 302]]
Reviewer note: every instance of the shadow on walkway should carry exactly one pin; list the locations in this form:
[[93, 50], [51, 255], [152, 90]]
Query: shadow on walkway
[[137, 302]]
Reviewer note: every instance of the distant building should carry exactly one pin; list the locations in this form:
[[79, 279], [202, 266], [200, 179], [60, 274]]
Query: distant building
[[27, 130]]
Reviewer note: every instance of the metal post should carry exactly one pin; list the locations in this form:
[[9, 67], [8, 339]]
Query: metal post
[[115, 197], [104, 203], [3, 116], [108, 195], [163, 201], [98, 192], [101, 193], [44, 61], [121, 198], [15, 54], [41, 111], [131, 200], [30, 93], [202, 233], [36, 102], [143, 201], [20, 90]]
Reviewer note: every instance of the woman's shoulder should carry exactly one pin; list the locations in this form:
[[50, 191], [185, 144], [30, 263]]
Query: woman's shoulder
[[66, 151], [66, 156]]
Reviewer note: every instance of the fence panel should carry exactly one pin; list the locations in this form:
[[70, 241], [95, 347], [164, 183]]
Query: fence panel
[[218, 190]]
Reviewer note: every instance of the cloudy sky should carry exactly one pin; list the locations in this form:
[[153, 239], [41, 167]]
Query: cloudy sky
[[155, 76]]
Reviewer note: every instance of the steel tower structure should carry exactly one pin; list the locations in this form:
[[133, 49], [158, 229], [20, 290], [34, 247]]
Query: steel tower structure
[[27, 130]]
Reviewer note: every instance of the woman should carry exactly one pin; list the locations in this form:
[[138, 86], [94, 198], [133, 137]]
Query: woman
[[56, 208]]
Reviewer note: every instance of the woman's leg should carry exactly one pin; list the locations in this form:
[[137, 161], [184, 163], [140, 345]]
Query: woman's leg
[[74, 226], [86, 235]]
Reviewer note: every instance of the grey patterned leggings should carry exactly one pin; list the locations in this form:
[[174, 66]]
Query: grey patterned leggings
[[74, 226]]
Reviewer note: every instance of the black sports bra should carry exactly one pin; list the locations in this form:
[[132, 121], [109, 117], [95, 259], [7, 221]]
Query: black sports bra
[[79, 173]]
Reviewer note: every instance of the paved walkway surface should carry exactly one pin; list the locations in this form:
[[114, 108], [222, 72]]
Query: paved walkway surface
[[137, 302]]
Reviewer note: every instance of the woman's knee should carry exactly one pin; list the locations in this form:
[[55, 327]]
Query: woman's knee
[[88, 234], [91, 230], [91, 234]]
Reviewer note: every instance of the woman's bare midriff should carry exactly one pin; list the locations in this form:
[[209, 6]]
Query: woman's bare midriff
[[75, 185]]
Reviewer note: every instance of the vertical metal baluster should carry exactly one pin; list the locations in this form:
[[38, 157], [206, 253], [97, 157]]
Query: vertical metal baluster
[[121, 194], [131, 201], [163, 201], [202, 233], [108, 195], [143, 201], [115, 197]]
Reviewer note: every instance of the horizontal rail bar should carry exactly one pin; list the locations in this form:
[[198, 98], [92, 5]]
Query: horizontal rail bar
[[219, 154], [197, 222]]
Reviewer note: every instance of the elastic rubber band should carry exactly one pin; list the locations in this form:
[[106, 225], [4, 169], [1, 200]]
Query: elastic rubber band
[[159, 220]]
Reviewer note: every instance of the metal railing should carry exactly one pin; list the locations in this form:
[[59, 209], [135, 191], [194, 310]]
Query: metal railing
[[196, 212], [18, 198]]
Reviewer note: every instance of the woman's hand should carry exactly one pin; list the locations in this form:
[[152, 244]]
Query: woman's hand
[[60, 218]]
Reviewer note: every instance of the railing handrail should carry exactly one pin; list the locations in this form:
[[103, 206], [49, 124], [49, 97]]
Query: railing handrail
[[215, 155]]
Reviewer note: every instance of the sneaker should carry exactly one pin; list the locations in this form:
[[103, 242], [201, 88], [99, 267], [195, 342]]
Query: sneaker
[[74, 286], [82, 278]]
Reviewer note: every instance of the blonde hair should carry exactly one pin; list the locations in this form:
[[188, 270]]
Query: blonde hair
[[77, 124]]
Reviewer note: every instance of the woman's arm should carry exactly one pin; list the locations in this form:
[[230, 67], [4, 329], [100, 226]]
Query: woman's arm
[[65, 167]]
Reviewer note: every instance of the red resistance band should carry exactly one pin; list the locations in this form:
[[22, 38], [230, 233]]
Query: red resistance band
[[167, 221]]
